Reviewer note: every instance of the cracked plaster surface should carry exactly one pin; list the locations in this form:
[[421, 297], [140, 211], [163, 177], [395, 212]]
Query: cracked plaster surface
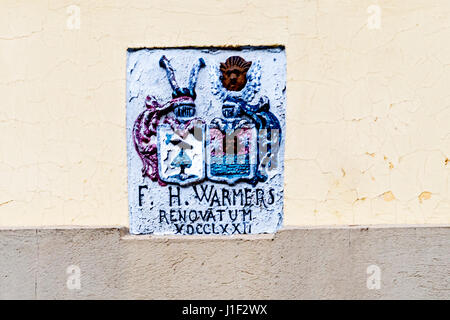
[[368, 111]]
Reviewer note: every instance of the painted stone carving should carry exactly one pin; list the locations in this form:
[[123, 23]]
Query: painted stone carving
[[181, 144], [210, 155], [241, 104], [173, 132], [232, 147], [234, 73]]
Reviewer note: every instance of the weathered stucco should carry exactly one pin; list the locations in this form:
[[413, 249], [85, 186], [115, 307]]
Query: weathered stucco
[[368, 139], [295, 263]]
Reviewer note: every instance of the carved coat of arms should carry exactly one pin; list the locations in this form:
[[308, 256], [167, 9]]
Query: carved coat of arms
[[200, 141]]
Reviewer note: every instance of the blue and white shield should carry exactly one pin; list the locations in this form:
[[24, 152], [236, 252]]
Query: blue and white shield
[[181, 154], [231, 153]]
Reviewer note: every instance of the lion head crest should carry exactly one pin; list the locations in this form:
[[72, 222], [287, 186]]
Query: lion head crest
[[234, 73]]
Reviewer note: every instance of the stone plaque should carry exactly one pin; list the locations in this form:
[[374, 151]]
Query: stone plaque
[[205, 140]]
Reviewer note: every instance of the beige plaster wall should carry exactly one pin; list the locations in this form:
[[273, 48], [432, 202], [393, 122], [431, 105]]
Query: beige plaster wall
[[368, 137]]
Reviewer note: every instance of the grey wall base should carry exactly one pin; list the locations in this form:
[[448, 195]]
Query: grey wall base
[[295, 263]]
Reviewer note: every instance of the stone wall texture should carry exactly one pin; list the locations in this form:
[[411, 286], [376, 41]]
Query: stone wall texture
[[368, 109], [295, 263]]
